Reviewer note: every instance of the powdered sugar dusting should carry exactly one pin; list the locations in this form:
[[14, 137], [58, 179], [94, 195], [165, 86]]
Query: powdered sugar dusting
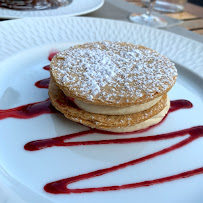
[[113, 71]]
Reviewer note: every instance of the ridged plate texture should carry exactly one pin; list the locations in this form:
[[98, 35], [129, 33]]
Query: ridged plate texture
[[19, 35]]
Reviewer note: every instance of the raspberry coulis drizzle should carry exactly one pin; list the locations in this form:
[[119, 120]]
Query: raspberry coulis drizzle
[[60, 186], [29, 110], [43, 83], [46, 67]]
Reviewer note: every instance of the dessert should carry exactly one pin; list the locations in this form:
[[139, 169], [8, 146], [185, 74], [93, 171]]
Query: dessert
[[115, 86]]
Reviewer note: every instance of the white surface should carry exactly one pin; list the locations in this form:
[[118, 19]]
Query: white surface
[[23, 56], [76, 7]]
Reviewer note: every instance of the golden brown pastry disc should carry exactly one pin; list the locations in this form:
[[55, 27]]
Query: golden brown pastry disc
[[113, 73]]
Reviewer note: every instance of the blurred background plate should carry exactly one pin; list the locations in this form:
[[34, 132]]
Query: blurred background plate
[[76, 7]]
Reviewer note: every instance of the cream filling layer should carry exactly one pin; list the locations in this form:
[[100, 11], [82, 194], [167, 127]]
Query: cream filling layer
[[111, 110], [145, 124]]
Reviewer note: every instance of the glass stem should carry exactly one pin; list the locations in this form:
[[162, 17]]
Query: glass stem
[[150, 7]]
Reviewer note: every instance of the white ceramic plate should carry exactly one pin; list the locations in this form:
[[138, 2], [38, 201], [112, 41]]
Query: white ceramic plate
[[76, 7], [23, 55]]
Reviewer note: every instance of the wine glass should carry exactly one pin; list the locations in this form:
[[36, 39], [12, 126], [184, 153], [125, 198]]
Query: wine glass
[[148, 19]]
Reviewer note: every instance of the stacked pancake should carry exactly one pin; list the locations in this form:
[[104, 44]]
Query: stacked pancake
[[113, 86]]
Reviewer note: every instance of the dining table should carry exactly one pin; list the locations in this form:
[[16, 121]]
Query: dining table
[[188, 23], [191, 16]]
